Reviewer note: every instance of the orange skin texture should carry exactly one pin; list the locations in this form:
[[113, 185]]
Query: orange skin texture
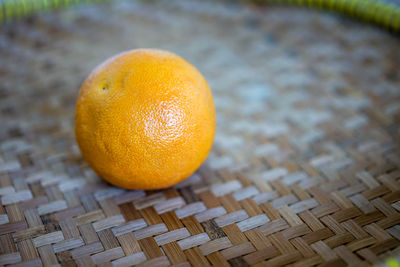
[[145, 119]]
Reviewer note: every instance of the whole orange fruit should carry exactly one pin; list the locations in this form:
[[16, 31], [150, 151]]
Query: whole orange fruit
[[145, 119]]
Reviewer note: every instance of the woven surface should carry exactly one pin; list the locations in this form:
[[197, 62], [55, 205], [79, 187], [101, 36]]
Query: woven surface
[[305, 168]]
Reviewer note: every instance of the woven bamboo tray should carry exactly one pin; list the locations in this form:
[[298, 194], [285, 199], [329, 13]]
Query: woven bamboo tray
[[305, 167]]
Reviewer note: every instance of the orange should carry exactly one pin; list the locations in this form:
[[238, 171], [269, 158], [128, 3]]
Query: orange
[[145, 119]]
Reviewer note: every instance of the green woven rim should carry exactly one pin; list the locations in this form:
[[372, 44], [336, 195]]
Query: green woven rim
[[384, 14]]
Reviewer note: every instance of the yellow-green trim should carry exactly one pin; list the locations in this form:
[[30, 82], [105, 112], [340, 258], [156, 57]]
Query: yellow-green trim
[[384, 14]]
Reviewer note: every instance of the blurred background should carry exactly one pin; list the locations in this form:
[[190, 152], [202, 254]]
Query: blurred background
[[274, 70], [297, 91]]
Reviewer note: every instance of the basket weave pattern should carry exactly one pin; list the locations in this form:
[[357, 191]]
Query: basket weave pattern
[[305, 168]]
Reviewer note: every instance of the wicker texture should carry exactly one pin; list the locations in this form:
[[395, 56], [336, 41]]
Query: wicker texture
[[384, 13], [305, 168]]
